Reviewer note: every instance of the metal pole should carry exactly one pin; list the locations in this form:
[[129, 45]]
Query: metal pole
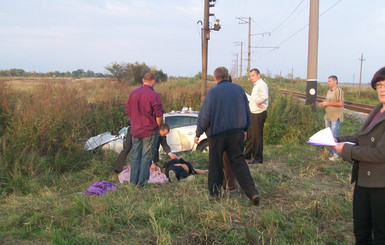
[[311, 86]]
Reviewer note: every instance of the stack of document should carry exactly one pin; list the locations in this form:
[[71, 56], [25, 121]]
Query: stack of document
[[322, 138]]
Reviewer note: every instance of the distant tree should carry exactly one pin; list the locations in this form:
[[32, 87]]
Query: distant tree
[[136, 72], [117, 70], [132, 73], [160, 76], [78, 73], [17, 73], [90, 73]]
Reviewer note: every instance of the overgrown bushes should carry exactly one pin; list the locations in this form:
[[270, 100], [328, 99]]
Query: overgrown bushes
[[289, 120]]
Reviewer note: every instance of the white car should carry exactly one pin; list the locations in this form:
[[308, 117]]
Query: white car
[[180, 138], [183, 125]]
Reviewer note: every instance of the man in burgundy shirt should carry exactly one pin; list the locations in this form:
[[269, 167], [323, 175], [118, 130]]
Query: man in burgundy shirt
[[144, 108]]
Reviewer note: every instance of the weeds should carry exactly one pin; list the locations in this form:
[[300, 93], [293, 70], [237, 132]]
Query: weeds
[[305, 198]]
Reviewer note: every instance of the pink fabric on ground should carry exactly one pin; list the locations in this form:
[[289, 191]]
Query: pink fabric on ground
[[156, 175]]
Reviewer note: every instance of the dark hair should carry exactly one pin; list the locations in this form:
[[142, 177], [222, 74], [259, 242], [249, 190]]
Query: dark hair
[[221, 73], [256, 70], [378, 76], [334, 77], [164, 126]]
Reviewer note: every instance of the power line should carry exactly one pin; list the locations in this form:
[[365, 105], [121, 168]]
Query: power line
[[291, 36], [295, 9]]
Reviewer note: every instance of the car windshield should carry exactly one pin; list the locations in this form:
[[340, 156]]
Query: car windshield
[[180, 121]]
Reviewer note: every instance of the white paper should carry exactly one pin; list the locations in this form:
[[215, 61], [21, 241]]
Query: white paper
[[323, 137]]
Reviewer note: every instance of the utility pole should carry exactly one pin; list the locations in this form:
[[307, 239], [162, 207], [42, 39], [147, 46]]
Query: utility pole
[[234, 67], [240, 61], [243, 21], [359, 86], [312, 59], [205, 37]]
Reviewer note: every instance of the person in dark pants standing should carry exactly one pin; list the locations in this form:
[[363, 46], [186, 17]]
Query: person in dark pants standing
[[225, 118], [258, 104]]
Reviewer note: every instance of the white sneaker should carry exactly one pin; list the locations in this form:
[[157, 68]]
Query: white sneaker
[[172, 176], [334, 157]]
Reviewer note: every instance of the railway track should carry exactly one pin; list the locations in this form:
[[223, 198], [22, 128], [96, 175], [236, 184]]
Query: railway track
[[357, 107]]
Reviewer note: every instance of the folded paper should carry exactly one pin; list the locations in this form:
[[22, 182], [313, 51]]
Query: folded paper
[[323, 137]]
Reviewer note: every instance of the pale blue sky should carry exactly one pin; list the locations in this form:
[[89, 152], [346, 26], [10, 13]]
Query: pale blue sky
[[65, 35]]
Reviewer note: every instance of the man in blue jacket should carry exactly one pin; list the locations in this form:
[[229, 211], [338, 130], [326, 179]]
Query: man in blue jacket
[[225, 118]]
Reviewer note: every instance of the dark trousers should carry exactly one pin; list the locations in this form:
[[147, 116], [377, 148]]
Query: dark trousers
[[229, 178], [232, 144], [254, 142], [369, 215], [119, 164], [180, 172]]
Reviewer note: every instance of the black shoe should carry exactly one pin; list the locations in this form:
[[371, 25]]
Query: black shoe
[[255, 200]]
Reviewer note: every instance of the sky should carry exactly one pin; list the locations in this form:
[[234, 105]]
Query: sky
[[66, 35]]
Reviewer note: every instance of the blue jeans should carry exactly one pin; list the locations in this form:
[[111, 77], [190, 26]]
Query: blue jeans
[[334, 126], [142, 154]]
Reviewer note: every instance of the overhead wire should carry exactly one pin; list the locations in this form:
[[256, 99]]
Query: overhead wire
[[303, 27], [291, 36], [292, 12]]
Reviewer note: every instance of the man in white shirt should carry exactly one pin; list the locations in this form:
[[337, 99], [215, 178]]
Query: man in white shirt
[[258, 104]]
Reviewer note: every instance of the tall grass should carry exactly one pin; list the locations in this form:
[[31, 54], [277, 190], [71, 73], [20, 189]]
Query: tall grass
[[44, 170]]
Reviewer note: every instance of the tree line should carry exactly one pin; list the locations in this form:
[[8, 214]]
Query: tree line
[[129, 73], [77, 73]]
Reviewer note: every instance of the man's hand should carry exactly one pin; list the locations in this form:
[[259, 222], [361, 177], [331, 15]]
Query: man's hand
[[196, 140], [323, 104], [172, 155]]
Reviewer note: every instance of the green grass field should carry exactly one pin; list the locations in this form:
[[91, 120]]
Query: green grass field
[[306, 199]]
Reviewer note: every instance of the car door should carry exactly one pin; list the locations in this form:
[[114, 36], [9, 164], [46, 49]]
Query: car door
[[182, 132]]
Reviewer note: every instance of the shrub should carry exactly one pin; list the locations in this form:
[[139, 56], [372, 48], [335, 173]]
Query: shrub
[[288, 120]]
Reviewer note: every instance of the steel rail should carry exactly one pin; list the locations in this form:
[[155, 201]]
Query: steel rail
[[357, 107]]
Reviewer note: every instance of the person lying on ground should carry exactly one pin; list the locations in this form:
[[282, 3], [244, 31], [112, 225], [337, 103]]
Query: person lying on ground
[[179, 169], [164, 129]]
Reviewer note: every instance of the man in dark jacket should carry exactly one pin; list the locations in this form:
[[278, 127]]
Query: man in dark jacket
[[225, 118]]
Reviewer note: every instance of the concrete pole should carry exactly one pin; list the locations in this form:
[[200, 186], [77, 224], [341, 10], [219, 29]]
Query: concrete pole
[[205, 38], [359, 86], [312, 60], [240, 65]]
